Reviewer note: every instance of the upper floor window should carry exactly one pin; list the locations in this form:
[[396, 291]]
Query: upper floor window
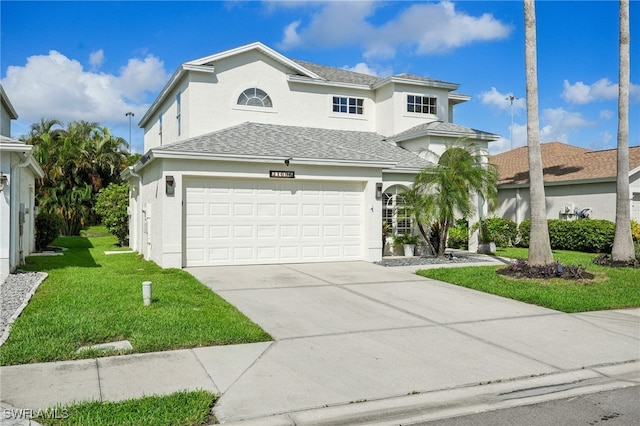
[[160, 127], [348, 105], [422, 104], [179, 112], [255, 97]]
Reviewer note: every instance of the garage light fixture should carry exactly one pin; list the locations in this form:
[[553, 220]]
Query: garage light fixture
[[286, 162], [3, 181], [170, 187], [379, 191]]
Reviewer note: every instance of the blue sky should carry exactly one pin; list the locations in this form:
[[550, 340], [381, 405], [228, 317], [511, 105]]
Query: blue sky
[[97, 60]]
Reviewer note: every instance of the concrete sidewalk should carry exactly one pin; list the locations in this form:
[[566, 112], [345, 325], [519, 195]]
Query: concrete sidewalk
[[359, 343]]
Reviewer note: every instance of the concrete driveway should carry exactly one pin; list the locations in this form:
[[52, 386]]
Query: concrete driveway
[[354, 331]]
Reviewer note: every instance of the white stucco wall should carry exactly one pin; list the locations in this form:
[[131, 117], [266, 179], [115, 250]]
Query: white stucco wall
[[17, 195], [209, 102], [164, 241]]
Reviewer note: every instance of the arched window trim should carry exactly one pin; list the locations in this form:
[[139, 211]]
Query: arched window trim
[[254, 97], [393, 211]]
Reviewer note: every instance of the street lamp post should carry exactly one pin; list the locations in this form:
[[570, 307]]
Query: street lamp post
[[130, 114], [511, 98]]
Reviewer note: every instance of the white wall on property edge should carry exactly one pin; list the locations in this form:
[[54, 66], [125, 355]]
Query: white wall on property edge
[[5, 215], [209, 102], [19, 189], [167, 217]]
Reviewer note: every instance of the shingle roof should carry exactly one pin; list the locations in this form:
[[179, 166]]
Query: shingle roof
[[5, 139], [269, 140], [440, 126], [341, 75], [561, 162], [338, 74]]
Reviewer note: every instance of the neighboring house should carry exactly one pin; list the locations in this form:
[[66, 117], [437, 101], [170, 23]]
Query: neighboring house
[[577, 182], [251, 157], [18, 171]]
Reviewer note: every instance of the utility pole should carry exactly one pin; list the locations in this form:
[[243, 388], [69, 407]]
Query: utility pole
[[511, 98], [130, 114]]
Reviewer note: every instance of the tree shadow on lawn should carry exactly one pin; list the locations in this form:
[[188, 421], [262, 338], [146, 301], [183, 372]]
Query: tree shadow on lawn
[[76, 255]]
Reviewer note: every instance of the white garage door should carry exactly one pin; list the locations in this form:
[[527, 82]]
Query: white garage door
[[234, 222]]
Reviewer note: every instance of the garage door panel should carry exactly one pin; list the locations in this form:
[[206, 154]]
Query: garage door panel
[[271, 221], [268, 210]]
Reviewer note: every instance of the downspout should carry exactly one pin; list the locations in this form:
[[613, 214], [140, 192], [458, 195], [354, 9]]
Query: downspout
[[138, 212], [14, 210]]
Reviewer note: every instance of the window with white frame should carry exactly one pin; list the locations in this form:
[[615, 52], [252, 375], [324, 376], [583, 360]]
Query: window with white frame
[[255, 97], [348, 105], [422, 104], [394, 210], [179, 112]]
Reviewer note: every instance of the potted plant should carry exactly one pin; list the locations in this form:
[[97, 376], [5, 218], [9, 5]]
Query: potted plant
[[485, 244], [408, 242], [387, 238]]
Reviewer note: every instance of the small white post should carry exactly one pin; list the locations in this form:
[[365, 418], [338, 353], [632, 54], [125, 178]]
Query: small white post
[[146, 292]]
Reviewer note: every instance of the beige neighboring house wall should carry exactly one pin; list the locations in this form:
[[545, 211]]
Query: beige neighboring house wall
[[18, 171], [575, 179]]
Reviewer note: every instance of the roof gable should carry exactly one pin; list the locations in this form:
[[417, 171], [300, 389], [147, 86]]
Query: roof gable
[[561, 162]]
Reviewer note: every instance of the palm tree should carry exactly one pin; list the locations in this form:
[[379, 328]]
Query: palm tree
[[78, 162], [539, 243], [623, 249], [443, 192]]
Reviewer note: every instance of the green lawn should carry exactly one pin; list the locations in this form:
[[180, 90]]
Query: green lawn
[[612, 288], [92, 298], [181, 408]]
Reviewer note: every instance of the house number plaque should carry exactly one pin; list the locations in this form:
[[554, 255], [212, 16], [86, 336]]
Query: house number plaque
[[283, 174]]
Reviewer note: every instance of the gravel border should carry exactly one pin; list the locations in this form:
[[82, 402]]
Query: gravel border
[[15, 293], [429, 260]]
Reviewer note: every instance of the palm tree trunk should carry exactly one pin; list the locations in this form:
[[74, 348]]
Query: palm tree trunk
[[539, 244], [623, 242]]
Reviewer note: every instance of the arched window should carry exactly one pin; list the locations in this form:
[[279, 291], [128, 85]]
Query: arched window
[[394, 212], [255, 97]]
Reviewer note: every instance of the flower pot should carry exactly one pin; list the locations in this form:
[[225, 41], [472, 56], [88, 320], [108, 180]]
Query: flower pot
[[487, 247], [408, 249]]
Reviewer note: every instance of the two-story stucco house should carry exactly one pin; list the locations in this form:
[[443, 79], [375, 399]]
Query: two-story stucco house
[[252, 158], [18, 171]]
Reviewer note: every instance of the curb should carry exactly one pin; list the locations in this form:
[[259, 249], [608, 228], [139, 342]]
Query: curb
[[462, 401]]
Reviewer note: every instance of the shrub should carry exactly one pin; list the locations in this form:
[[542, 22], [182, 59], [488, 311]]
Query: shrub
[[47, 229], [501, 231], [459, 235], [111, 204], [587, 235], [524, 232], [635, 231]]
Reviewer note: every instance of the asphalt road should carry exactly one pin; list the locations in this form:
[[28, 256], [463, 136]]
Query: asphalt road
[[620, 407]]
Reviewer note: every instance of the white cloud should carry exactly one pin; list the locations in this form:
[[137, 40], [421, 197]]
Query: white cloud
[[602, 90], [426, 28], [374, 70], [505, 144], [501, 100], [336, 23], [560, 123], [362, 68], [607, 114], [96, 59], [58, 87]]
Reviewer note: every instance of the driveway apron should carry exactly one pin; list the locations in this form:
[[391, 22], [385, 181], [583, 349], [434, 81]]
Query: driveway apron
[[347, 332]]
